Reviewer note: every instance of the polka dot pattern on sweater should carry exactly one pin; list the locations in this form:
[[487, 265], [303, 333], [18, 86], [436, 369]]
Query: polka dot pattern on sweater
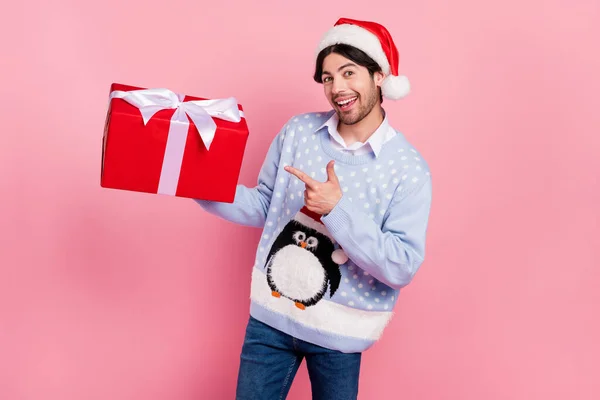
[[370, 183]]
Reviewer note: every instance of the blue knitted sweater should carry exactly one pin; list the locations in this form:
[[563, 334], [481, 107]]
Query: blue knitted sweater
[[333, 280]]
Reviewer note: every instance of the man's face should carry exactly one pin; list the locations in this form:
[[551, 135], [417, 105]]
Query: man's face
[[349, 88]]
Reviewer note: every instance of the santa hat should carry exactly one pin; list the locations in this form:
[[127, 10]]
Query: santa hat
[[375, 40], [313, 220]]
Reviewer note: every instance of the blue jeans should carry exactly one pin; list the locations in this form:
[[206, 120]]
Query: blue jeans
[[270, 360]]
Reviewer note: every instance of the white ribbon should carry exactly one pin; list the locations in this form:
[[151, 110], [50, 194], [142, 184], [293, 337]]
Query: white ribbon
[[201, 112]]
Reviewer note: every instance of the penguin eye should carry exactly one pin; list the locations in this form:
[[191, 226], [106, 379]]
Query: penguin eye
[[299, 236], [312, 242]]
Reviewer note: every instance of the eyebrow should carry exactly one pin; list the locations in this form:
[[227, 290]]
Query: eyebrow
[[349, 64]]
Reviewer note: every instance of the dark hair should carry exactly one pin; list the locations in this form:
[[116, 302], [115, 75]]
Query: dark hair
[[350, 52]]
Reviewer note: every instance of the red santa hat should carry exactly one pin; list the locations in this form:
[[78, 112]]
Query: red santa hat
[[313, 220], [375, 40]]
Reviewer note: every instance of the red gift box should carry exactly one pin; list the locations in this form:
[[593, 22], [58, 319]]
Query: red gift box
[[158, 141]]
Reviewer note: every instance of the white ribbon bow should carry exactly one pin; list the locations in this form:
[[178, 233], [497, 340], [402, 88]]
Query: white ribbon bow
[[201, 112], [151, 101]]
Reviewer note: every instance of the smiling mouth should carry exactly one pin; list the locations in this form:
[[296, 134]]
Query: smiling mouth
[[346, 104]]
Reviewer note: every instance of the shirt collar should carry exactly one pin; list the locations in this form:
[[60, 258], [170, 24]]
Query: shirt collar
[[375, 141]]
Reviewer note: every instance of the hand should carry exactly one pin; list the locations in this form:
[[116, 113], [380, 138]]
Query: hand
[[320, 197]]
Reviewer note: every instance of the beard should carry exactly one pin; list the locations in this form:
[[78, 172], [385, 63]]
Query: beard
[[362, 109]]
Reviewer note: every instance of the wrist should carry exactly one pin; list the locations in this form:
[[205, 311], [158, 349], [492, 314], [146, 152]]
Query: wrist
[[334, 204], [339, 217]]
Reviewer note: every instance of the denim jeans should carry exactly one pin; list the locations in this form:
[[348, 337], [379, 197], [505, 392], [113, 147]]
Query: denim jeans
[[270, 360]]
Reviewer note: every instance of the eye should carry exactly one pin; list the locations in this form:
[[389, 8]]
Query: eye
[[348, 73], [299, 237], [326, 79], [312, 242]]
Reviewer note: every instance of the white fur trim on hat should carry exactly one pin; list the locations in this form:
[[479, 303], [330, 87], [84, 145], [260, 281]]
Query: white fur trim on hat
[[358, 37]]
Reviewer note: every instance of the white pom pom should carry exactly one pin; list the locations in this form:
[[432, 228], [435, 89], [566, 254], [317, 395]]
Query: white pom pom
[[339, 257], [395, 87]]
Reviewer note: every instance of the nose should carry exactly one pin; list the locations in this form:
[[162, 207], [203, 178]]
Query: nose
[[303, 245], [338, 86]]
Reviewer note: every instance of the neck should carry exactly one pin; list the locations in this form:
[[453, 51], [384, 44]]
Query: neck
[[362, 130]]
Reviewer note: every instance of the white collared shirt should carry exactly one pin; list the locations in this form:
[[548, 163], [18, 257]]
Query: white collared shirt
[[375, 142]]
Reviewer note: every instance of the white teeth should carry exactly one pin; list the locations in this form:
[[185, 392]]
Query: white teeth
[[341, 103]]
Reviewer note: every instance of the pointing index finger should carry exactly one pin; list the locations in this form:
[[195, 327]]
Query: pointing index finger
[[301, 175]]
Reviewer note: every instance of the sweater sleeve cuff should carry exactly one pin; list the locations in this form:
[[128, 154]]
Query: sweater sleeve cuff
[[339, 217]]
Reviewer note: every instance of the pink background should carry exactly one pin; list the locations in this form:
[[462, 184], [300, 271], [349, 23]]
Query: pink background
[[124, 296]]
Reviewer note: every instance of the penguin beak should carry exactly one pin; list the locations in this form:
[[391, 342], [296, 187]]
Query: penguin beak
[[303, 245]]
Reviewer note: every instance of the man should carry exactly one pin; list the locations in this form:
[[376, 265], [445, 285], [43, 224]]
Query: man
[[343, 200]]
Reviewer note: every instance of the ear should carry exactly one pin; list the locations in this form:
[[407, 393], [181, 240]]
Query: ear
[[378, 77]]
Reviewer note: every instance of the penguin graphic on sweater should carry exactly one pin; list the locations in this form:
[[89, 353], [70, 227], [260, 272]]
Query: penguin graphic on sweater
[[303, 261]]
